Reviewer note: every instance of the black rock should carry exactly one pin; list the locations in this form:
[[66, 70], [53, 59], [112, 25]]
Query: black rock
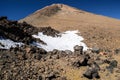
[[117, 51], [80, 61], [3, 17], [76, 63], [68, 52], [39, 78], [49, 31], [1, 45], [110, 69], [92, 72], [78, 49], [37, 56], [18, 32], [95, 50], [113, 63], [51, 76]]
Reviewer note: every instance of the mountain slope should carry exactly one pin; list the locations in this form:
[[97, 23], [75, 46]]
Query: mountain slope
[[96, 29]]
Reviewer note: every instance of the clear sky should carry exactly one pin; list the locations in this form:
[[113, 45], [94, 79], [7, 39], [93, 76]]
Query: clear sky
[[18, 9]]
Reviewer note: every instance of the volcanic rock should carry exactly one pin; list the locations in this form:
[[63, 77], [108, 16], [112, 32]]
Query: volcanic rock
[[49, 31], [3, 17], [112, 65], [117, 51], [18, 32], [78, 49], [92, 72]]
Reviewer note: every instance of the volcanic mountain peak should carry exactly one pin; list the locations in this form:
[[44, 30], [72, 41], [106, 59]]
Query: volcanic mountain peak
[[48, 10], [57, 7], [54, 9], [65, 7]]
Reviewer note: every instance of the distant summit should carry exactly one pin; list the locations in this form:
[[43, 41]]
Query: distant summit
[[49, 10], [53, 9]]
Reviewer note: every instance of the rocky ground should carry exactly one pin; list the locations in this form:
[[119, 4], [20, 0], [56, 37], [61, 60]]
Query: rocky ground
[[31, 63]]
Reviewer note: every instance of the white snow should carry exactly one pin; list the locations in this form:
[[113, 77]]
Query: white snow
[[67, 41], [8, 43]]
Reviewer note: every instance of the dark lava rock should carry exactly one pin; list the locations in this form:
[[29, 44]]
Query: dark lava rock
[[110, 69], [34, 52], [112, 65], [55, 51], [50, 76], [80, 61], [18, 32], [56, 54], [37, 56], [68, 52], [95, 66], [117, 51], [49, 31], [92, 72], [39, 78], [1, 45], [78, 49], [95, 50], [107, 61], [3, 17], [22, 32]]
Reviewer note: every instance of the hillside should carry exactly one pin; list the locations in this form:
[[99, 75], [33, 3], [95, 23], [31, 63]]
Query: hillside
[[104, 32]]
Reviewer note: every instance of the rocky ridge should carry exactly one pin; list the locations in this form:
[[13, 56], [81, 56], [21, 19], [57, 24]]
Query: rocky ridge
[[22, 32]]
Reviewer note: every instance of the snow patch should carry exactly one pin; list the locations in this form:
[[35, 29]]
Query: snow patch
[[67, 41], [7, 43]]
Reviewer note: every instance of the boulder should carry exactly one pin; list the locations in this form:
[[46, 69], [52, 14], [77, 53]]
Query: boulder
[[37, 56], [95, 50], [3, 17], [39, 78], [68, 52], [1, 45], [80, 61], [92, 72], [112, 65], [49, 31], [78, 49], [117, 51]]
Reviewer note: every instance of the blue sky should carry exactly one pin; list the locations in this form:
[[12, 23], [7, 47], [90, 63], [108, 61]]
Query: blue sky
[[18, 9]]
